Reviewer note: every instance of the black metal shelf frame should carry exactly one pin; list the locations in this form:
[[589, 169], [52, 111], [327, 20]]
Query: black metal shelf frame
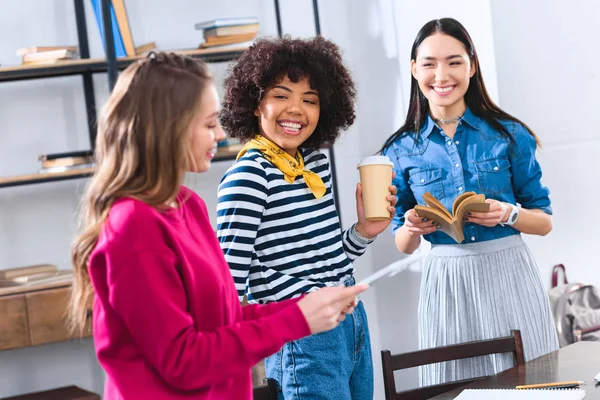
[[111, 66]]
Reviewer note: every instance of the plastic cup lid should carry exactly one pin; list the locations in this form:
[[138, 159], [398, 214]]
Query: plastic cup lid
[[375, 160]]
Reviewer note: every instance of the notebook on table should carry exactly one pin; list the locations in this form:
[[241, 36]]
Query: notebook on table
[[515, 394]]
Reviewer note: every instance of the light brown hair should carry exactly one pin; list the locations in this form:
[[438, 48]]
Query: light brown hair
[[142, 150]]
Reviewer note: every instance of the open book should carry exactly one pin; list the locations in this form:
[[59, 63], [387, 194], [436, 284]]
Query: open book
[[529, 394], [452, 223]]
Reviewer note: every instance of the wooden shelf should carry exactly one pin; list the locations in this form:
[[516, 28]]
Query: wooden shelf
[[96, 65], [19, 180], [35, 317]]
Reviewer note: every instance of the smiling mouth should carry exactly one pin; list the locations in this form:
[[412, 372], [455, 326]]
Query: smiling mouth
[[443, 90], [292, 128]]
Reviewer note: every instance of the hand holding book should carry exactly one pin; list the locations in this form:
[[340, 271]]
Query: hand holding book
[[452, 223], [497, 214]]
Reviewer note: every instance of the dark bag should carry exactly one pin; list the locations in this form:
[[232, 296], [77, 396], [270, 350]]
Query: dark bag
[[576, 309]]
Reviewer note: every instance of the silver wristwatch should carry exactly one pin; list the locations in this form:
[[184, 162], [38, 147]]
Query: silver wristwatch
[[513, 216]]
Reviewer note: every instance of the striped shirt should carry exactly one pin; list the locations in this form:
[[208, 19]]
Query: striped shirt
[[279, 240]]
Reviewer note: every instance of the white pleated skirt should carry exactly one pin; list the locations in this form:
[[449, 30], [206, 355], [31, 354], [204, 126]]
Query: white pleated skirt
[[480, 291]]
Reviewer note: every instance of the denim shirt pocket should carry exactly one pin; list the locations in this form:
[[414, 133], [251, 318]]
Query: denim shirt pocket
[[425, 180], [493, 175]]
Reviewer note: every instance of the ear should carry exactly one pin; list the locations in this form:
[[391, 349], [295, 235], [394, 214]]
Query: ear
[[473, 69], [413, 68], [257, 112]]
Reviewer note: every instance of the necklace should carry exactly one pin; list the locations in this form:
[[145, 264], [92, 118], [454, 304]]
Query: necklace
[[449, 120]]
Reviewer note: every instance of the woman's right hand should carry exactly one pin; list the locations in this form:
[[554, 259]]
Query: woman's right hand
[[418, 226], [327, 307]]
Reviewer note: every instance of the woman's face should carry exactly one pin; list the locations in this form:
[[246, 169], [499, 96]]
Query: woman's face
[[205, 130], [289, 113], [443, 69]]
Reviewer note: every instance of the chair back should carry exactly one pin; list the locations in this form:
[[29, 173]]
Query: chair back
[[266, 392], [510, 344]]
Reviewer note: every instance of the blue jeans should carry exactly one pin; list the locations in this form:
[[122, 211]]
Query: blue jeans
[[334, 365]]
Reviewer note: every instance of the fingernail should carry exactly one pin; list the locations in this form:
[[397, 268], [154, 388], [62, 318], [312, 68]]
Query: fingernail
[[425, 220], [433, 222], [468, 212], [438, 227]]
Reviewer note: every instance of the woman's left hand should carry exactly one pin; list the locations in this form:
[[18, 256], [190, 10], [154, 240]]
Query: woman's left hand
[[493, 217], [370, 229]]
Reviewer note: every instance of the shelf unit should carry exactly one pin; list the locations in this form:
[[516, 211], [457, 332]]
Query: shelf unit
[[87, 66], [98, 65], [28, 179]]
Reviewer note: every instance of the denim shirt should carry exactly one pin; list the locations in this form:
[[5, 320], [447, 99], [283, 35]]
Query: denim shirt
[[477, 159]]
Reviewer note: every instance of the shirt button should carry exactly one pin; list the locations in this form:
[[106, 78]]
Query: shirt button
[[495, 168], [448, 143], [472, 238], [457, 165], [460, 189], [457, 142], [422, 180]]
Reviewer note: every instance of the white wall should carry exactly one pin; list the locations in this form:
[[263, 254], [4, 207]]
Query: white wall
[[547, 58]]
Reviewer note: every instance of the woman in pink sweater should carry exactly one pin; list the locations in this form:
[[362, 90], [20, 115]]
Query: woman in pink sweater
[[166, 317]]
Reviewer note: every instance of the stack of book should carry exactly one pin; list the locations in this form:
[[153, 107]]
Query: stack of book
[[229, 32], [34, 275], [229, 145], [62, 162], [122, 35], [47, 54]]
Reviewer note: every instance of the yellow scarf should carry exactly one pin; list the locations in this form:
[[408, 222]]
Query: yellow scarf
[[290, 166]]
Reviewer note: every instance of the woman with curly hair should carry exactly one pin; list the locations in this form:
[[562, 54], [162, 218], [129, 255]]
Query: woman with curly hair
[[167, 322], [277, 221]]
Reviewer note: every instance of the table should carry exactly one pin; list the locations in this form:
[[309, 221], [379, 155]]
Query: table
[[576, 362]]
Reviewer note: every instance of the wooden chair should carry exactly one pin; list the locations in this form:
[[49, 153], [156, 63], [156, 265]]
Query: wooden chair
[[266, 392], [396, 362]]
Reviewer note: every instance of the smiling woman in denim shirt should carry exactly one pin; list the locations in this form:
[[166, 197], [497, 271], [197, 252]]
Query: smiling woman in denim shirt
[[456, 140]]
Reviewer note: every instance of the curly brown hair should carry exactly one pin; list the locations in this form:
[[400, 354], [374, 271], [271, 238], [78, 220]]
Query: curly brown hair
[[267, 62]]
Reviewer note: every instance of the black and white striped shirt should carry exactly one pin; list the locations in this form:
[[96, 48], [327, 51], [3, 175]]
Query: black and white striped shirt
[[279, 240]]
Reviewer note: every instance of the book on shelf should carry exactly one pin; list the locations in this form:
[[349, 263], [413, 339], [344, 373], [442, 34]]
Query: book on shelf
[[18, 272], [219, 22], [38, 279], [236, 45], [122, 38], [228, 142], [38, 49], [452, 223], [68, 161], [213, 41], [45, 62], [231, 30], [56, 170], [145, 48], [50, 56], [124, 29], [77, 153], [117, 38], [229, 145]]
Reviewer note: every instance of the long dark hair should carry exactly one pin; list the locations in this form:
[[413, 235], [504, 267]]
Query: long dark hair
[[477, 97]]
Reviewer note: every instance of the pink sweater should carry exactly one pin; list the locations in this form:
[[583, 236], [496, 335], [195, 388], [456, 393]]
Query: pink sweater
[[167, 320]]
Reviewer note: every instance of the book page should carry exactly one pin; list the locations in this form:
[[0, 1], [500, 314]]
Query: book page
[[460, 199], [447, 223], [473, 203], [515, 394], [434, 203]]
